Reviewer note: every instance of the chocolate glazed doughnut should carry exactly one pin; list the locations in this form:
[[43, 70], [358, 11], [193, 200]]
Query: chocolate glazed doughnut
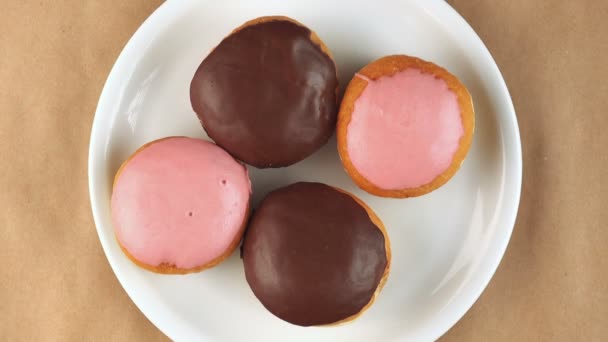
[[267, 93], [315, 255]]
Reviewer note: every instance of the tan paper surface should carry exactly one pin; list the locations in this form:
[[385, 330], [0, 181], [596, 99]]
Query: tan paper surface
[[56, 285]]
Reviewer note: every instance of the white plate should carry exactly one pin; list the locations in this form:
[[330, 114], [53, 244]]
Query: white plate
[[446, 245]]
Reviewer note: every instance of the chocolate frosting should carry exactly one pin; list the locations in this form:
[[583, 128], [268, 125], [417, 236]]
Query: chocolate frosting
[[267, 94], [312, 255]]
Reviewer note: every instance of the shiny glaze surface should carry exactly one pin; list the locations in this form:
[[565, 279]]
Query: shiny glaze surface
[[404, 130], [180, 202], [267, 94], [312, 254]]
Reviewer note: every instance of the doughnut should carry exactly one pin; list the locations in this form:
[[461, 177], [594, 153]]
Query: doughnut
[[315, 255], [180, 205], [405, 126], [267, 93]]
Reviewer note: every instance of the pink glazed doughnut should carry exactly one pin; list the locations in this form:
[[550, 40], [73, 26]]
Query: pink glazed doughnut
[[405, 126], [180, 205]]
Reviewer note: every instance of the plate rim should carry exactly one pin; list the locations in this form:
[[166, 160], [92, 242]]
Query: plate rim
[[432, 5]]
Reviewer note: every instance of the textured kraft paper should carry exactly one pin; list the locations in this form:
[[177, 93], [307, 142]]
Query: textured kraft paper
[[56, 285]]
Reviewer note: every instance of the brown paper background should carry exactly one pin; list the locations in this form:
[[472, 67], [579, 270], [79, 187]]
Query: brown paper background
[[56, 285]]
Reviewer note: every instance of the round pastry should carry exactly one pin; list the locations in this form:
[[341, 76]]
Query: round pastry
[[315, 255], [404, 127], [268, 93], [180, 205]]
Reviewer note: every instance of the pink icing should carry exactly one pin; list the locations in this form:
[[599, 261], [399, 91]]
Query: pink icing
[[180, 201], [404, 130]]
